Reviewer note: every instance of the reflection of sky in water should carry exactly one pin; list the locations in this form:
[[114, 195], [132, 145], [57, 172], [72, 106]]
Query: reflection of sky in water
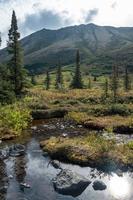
[[39, 175], [119, 187]]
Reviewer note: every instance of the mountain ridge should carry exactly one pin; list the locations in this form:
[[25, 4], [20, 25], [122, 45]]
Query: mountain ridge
[[46, 47]]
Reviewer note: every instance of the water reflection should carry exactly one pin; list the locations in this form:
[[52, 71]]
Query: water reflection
[[119, 187], [33, 169], [3, 180], [20, 169]]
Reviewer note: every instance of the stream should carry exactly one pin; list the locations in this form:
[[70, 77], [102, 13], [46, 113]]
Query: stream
[[35, 170]]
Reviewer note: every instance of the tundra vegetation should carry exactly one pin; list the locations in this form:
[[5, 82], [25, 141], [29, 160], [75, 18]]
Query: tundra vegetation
[[100, 103]]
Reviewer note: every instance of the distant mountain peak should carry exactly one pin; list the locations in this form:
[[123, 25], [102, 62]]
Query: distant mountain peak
[[43, 48]]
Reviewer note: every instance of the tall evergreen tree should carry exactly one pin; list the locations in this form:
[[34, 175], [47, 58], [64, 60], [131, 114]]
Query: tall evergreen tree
[[127, 83], [33, 79], [59, 78], [89, 84], [18, 73], [77, 78], [6, 91], [115, 82], [106, 88], [47, 81], [0, 39]]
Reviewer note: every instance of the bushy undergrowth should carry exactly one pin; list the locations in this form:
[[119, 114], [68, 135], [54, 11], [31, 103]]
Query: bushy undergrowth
[[110, 109], [14, 117]]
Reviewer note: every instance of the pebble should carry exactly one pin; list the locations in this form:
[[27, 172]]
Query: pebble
[[25, 185], [34, 128], [64, 135]]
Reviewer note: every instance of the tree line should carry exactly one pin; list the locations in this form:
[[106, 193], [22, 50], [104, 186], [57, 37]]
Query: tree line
[[77, 80], [13, 76]]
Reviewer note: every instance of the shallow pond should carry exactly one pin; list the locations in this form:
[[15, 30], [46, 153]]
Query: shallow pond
[[34, 169]]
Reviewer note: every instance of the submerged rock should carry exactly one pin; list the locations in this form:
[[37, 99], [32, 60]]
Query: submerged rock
[[70, 183], [17, 150], [99, 185]]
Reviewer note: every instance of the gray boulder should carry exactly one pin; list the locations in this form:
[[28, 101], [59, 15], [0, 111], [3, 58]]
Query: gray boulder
[[16, 150], [70, 183], [99, 185]]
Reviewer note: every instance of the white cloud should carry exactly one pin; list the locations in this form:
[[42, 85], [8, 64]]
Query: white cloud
[[110, 12]]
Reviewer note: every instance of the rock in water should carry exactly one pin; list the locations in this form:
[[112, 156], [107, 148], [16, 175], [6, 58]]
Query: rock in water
[[16, 150], [99, 185], [55, 164], [70, 183], [25, 185]]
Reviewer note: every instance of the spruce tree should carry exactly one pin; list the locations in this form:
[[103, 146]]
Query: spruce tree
[[59, 78], [89, 84], [18, 73], [127, 84], [106, 88], [77, 79], [33, 79], [6, 91], [115, 83], [47, 81], [0, 39]]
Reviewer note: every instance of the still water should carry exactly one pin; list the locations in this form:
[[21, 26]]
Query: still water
[[34, 169]]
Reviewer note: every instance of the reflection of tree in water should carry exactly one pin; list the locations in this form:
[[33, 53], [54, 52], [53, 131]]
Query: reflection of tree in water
[[3, 180], [20, 168], [94, 173]]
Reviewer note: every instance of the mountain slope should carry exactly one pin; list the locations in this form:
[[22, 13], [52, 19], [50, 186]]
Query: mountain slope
[[46, 47]]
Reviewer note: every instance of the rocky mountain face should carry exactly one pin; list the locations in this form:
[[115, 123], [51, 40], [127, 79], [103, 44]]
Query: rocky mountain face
[[98, 45]]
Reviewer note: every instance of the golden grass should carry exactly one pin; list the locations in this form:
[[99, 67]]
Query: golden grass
[[89, 150]]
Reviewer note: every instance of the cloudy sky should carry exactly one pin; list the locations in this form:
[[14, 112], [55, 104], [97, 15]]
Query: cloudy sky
[[34, 15]]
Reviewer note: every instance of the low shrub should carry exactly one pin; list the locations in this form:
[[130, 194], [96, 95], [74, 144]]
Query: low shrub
[[14, 117]]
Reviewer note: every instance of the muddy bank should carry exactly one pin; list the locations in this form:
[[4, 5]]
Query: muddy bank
[[104, 161], [49, 113]]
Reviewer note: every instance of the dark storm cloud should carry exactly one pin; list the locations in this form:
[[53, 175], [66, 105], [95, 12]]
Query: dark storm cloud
[[43, 19], [91, 14]]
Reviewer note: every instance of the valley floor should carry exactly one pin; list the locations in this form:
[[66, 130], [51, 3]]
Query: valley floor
[[86, 108]]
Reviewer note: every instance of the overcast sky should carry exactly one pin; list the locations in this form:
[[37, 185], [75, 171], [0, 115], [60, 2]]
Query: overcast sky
[[34, 15]]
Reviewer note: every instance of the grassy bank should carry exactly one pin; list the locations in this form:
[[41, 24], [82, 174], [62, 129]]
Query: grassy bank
[[88, 108], [92, 150]]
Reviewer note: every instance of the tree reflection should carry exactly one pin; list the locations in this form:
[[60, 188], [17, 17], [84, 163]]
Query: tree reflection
[[3, 180], [20, 169]]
